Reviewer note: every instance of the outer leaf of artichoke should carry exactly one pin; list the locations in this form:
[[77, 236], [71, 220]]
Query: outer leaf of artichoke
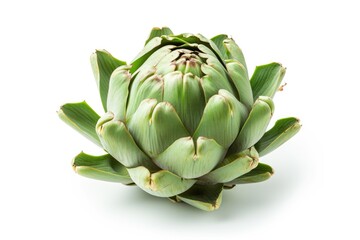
[[283, 130], [103, 64], [261, 173], [105, 168], [267, 79], [81, 117]]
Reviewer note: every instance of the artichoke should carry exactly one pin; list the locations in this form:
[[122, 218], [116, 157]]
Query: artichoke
[[183, 120]]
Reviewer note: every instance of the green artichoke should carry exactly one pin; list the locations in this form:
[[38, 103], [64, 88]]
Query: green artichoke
[[183, 120]]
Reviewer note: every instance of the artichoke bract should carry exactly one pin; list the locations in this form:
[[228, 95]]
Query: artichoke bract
[[183, 120]]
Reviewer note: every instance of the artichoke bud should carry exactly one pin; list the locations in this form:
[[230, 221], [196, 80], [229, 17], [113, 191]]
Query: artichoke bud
[[182, 120]]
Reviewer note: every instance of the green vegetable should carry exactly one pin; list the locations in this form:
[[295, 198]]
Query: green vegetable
[[183, 120]]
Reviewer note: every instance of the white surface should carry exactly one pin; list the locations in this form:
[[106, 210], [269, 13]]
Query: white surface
[[45, 47]]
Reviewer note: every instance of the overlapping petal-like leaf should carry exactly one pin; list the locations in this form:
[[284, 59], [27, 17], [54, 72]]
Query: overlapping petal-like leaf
[[213, 81], [183, 91], [232, 167], [190, 159], [117, 140], [238, 74], [255, 125], [119, 91], [230, 50], [155, 126], [223, 110], [161, 184]]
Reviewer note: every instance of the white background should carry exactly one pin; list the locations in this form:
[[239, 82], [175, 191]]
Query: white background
[[44, 62]]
